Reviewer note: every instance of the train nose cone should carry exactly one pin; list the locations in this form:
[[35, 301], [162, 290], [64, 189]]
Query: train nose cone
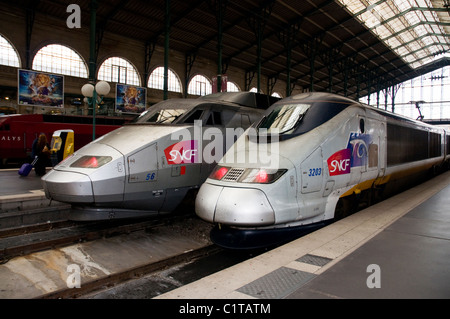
[[234, 206], [68, 187]]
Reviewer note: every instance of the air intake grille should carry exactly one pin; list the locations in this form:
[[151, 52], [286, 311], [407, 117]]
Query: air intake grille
[[233, 174]]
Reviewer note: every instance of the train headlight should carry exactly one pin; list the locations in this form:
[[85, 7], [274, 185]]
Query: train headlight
[[261, 176], [246, 175], [90, 161], [219, 172]]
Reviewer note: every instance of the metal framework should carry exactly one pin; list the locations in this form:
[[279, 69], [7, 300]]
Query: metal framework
[[349, 47]]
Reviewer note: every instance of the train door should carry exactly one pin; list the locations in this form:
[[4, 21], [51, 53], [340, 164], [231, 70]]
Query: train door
[[311, 170], [143, 177], [374, 164], [358, 145], [311, 181]]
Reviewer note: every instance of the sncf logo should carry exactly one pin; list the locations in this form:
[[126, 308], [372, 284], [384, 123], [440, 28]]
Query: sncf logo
[[182, 152], [339, 163]]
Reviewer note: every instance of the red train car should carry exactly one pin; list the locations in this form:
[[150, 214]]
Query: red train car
[[18, 131]]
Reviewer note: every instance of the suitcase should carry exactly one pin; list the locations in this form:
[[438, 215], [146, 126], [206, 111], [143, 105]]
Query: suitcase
[[26, 168]]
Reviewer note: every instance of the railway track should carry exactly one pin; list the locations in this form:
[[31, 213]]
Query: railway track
[[20, 241], [180, 268], [135, 248], [104, 283]]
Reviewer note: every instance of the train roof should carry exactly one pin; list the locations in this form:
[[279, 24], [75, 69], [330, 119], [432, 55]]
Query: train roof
[[404, 119], [178, 111], [318, 97], [248, 99], [324, 106]]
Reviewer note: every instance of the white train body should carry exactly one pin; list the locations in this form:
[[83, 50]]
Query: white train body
[[149, 166], [329, 148]]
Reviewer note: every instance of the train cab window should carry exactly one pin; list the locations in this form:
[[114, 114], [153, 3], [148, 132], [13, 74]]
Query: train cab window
[[160, 116], [284, 118], [165, 116], [196, 115], [293, 119]]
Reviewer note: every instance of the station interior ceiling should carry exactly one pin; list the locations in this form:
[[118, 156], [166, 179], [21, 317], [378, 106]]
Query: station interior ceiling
[[349, 47]]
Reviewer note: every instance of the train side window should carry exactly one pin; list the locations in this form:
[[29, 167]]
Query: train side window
[[214, 118], [217, 118], [361, 125], [210, 121], [373, 155]]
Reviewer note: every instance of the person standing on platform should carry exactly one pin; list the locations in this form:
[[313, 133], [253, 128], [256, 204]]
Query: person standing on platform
[[42, 151]]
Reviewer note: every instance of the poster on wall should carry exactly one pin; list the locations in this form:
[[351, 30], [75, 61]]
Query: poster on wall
[[130, 98], [40, 89]]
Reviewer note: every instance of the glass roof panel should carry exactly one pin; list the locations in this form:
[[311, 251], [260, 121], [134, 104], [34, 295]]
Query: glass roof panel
[[411, 28]]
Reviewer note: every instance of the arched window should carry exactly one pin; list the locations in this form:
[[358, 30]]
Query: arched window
[[118, 70], [232, 87], [256, 90], [55, 58], [199, 85], [156, 80], [8, 55]]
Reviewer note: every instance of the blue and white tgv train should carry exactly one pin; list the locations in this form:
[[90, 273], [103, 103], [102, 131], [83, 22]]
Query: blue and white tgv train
[[330, 152]]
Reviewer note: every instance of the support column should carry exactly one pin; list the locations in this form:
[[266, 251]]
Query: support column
[[287, 38], [288, 68], [358, 81], [395, 89], [30, 14], [188, 63], [386, 91], [258, 54], [149, 49], [166, 50], [220, 13], [258, 23], [92, 48]]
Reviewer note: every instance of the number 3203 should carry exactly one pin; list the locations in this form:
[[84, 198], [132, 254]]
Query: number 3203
[[315, 171]]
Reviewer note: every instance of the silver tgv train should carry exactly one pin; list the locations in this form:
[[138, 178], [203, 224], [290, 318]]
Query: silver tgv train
[[322, 155], [148, 167]]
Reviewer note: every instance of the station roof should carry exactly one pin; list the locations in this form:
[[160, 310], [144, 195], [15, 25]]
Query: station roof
[[360, 43]]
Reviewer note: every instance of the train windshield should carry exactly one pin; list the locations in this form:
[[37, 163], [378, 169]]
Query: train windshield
[[161, 115], [165, 116], [284, 118], [167, 112]]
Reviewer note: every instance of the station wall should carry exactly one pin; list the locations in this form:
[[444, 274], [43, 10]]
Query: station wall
[[49, 30]]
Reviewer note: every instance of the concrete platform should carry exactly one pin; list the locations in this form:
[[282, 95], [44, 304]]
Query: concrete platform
[[14, 184], [18, 193], [23, 201], [399, 248]]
